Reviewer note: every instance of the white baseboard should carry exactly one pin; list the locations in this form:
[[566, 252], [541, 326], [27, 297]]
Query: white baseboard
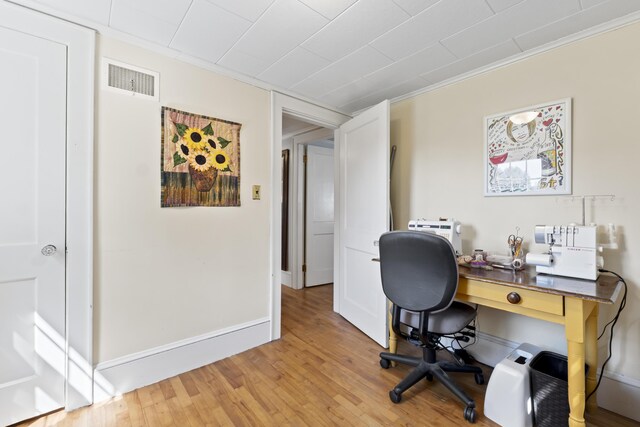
[[620, 394], [617, 393], [285, 278], [127, 373]]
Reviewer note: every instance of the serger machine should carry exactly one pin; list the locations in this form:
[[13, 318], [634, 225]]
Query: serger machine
[[449, 229], [573, 251]]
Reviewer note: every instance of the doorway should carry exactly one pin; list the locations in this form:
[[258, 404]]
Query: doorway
[[361, 163], [308, 203], [318, 117]]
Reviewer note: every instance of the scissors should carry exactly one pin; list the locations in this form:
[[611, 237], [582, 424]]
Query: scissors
[[515, 244]]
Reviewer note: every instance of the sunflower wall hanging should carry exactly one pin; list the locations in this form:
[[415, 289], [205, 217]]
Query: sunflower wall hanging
[[200, 160]]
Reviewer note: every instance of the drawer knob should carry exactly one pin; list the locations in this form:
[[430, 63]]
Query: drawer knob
[[513, 297]]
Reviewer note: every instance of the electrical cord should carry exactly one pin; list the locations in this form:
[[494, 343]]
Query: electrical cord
[[612, 322], [458, 337]]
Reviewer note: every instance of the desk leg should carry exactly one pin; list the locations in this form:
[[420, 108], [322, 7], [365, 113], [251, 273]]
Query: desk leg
[[575, 332], [393, 339], [576, 383], [591, 338]]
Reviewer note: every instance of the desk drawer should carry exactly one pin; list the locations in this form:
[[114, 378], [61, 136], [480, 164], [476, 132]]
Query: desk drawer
[[524, 298]]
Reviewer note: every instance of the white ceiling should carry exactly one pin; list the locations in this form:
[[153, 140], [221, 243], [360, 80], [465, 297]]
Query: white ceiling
[[292, 126], [348, 54]]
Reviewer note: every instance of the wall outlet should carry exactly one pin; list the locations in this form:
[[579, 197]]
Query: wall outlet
[[255, 191]]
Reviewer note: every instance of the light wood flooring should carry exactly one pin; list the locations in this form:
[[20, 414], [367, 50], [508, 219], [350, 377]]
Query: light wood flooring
[[323, 372]]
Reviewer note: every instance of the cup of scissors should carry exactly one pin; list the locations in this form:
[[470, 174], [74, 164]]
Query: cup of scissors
[[515, 245]]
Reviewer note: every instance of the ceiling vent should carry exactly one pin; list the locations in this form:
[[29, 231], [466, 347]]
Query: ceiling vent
[[130, 80]]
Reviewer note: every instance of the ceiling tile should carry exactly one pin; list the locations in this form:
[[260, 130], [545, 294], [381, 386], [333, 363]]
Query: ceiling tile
[[244, 63], [362, 103], [523, 17], [348, 69], [426, 60], [293, 68], [285, 25], [578, 22], [439, 21], [347, 93], [149, 19], [208, 31], [413, 7], [478, 60], [359, 104], [329, 8], [313, 87], [500, 5], [360, 24], [95, 10], [385, 93], [586, 4], [248, 9]]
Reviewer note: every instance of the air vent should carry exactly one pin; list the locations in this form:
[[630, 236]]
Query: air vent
[[130, 80]]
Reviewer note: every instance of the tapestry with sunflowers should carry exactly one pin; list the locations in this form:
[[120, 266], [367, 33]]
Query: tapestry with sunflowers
[[200, 160]]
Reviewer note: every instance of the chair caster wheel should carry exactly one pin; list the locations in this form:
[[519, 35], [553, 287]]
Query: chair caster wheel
[[384, 363], [428, 377], [395, 397], [479, 379], [470, 414]]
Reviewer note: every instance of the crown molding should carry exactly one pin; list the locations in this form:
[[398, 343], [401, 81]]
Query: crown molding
[[107, 31], [612, 25], [104, 30]]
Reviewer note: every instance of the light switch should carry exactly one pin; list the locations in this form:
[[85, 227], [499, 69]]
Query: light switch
[[256, 192]]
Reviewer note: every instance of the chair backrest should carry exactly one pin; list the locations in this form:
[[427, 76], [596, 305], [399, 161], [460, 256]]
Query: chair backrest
[[419, 270]]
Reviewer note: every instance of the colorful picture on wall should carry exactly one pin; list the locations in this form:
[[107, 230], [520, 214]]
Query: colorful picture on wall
[[200, 160], [528, 151]]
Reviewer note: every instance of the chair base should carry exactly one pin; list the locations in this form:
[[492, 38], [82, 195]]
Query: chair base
[[427, 367]]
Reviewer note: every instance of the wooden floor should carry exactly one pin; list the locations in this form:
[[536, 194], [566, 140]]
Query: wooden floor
[[323, 372]]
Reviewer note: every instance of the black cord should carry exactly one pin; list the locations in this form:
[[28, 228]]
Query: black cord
[[612, 322], [456, 338]]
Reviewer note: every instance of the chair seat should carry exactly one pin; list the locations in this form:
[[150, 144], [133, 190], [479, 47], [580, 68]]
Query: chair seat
[[448, 321]]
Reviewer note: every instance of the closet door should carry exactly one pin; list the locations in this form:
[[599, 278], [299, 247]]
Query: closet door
[[32, 225]]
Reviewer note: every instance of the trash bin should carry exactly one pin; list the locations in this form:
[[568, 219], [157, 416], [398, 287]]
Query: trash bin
[[549, 389]]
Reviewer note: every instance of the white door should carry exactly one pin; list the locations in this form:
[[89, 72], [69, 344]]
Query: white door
[[32, 225], [363, 217], [319, 218]]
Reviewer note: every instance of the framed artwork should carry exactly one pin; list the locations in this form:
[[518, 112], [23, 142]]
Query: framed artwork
[[528, 151], [200, 160]]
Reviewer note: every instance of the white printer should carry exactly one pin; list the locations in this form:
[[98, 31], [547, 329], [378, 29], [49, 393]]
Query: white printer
[[507, 400], [447, 228]]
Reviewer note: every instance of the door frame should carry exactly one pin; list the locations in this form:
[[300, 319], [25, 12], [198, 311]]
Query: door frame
[[316, 115], [80, 44], [298, 192]]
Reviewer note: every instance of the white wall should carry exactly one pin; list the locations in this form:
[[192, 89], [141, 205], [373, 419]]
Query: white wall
[[439, 168], [167, 274]]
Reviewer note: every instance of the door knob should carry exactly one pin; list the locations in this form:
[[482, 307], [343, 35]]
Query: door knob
[[49, 250]]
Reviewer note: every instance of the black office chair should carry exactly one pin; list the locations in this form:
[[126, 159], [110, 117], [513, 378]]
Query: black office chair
[[420, 277]]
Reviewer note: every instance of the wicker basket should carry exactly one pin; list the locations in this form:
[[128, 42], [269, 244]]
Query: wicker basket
[[549, 389]]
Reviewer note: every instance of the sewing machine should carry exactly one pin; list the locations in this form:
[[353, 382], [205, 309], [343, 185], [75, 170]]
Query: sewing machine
[[449, 229], [573, 251]]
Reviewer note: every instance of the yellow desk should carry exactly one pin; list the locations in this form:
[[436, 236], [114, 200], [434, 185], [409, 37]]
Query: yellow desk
[[569, 302]]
